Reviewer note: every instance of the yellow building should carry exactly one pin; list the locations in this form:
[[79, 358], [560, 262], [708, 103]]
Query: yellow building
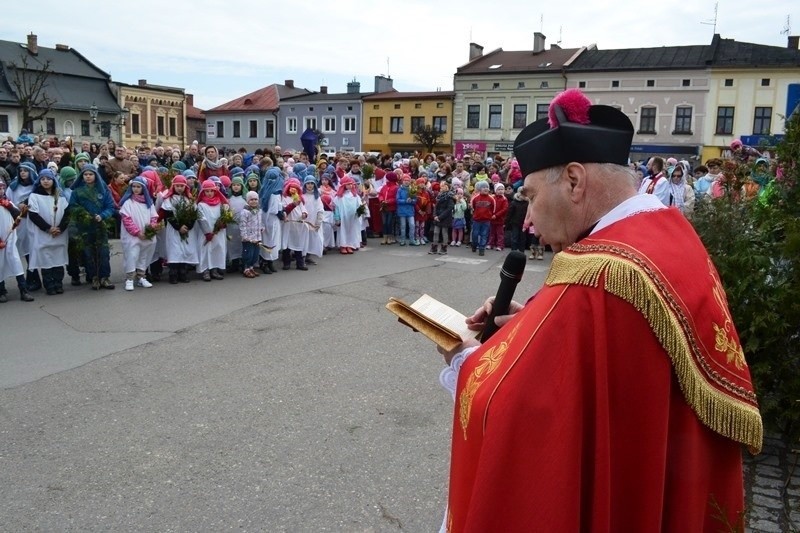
[[390, 119], [155, 113], [752, 88]]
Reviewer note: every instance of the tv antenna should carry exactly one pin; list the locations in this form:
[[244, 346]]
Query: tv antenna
[[560, 32], [787, 28], [541, 23], [713, 22], [388, 75]]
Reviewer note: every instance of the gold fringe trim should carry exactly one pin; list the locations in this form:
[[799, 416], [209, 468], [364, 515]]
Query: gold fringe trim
[[723, 413]]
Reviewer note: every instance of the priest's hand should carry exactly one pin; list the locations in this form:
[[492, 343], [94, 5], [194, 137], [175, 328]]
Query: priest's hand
[[478, 318], [448, 355]]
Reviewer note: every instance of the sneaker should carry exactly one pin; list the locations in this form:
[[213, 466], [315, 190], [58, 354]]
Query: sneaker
[[415, 242], [499, 249], [453, 243], [480, 252], [128, 284], [458, 243], [142, 282]]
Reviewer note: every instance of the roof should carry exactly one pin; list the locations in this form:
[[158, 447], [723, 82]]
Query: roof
[[397, 95], [663, 58], [502, 62], [326, 97], [150, 86], [193, 112], [265, 99], [731, 53], [67, 61]]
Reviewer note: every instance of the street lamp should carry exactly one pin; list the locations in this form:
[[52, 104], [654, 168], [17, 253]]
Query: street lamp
[[120, 122]]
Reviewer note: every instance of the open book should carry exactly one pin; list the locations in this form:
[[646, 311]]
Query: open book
[[442, 324]]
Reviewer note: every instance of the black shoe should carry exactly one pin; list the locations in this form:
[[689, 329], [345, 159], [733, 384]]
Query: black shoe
[[105, 283], [310, 261], [33, 287], [216, 274], [302, 267], [271, 266], [206, 276], [173, 279], [76, 281], [25, 296], [60, 289], [3, 298], [50, 292], [287, 267], [480, 252]]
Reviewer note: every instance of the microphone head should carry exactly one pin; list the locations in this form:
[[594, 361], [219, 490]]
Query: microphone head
[[514, 266]]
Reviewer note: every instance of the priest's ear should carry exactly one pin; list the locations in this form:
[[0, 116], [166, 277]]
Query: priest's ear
[[576, 177]]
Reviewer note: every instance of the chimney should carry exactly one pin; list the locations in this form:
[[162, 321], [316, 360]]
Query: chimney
[[62, 48], [33, 44], [538, 42], [142, 83], [353, 87], [289, 84], [793, 42], [383, 84], [323, 89], [190, 100], [475, 50]]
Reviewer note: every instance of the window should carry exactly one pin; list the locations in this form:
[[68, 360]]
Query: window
[[330, 108], [237, 129], [495, 116], [376, 124], [724, 120], [615, 83], [440, 124], [544, 85], [136, 126], [105, 129], [417, 123], [496, 85], [729, 82], [51, 126], [520, 85], [651, 83], [683, 120], [686, 83], [349, 108], [474, 87], [762, 121], [329, 124], [397, 106], [396, 125], [309, 122], [173, 126], [376, 106], [160, 126], [765, 82], [473, 116], [291, 124], [348, 124], [647, 120], [520, 116], [311, 108], [253, 129], [4, 123], [220, 129], [269, 129], [417, 106], [439, 105], [542, 110], [85, 127], [69, 127], [581, 84]]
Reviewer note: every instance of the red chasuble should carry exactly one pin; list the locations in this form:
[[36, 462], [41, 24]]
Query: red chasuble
[[617, 400]]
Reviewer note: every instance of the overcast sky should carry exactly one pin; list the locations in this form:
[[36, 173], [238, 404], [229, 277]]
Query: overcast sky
[[219, 50]]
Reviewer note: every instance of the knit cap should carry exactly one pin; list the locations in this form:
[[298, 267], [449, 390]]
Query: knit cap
[[83, 156], [499, 188], [482, 185], [250, 195]]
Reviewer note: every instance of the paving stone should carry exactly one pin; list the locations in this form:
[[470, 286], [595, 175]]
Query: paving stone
[[762, 481], [774, 441], [770, 471], [772, 493], [764, 501], [765, 526], [762, 513], [793, 492], [771, 460]]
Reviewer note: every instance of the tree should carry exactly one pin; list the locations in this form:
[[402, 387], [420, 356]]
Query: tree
[[29, 81], [428, 136]]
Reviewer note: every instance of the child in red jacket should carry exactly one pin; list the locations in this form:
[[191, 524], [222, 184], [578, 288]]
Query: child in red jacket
[[498, 222], [422, 210]]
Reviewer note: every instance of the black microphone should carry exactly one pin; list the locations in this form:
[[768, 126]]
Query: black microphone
[[510, 275]]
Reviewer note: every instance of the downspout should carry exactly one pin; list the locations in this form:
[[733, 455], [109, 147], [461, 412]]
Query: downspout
[[277, 129]]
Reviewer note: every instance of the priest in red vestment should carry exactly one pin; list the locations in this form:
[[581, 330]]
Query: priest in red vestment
[[618, 398]]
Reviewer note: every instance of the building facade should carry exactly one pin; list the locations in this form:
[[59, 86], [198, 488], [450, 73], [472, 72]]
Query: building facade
[[82, 104], [499, 93], [250, 121], [391, 118], [195, 122], [155, 113]]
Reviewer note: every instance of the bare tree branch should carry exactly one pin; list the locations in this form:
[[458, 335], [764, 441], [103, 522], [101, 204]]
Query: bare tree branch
[[428, 136], [29, 82]]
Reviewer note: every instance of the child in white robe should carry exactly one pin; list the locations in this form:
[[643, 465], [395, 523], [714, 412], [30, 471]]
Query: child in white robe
[[348, 220], [316, 211], [180, 236], [48, 214], [295, 228], [139, 217], [213, 236], [10, 264]]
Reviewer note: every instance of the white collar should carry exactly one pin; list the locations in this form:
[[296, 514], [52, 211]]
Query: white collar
[[631, 206]]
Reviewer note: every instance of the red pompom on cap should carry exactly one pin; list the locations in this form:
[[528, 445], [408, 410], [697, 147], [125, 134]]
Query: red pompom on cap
[[574, 104]]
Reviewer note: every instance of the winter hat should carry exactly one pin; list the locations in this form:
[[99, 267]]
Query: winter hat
[[83, 156], [179, 166], [67, 176], [225, 180], [421, 181], [53, 167], [482, 185], [380, 173], [47, 173], [495, 178], [391, 177], [250, 195], [435, 187], [499, 188], [456, 182], [189, 173], [237, 171]]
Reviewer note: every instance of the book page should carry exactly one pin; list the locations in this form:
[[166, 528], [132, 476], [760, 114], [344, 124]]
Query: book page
[[444, 315]]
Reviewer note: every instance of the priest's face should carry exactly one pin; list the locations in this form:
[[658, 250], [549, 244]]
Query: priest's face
[[551, 208]]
